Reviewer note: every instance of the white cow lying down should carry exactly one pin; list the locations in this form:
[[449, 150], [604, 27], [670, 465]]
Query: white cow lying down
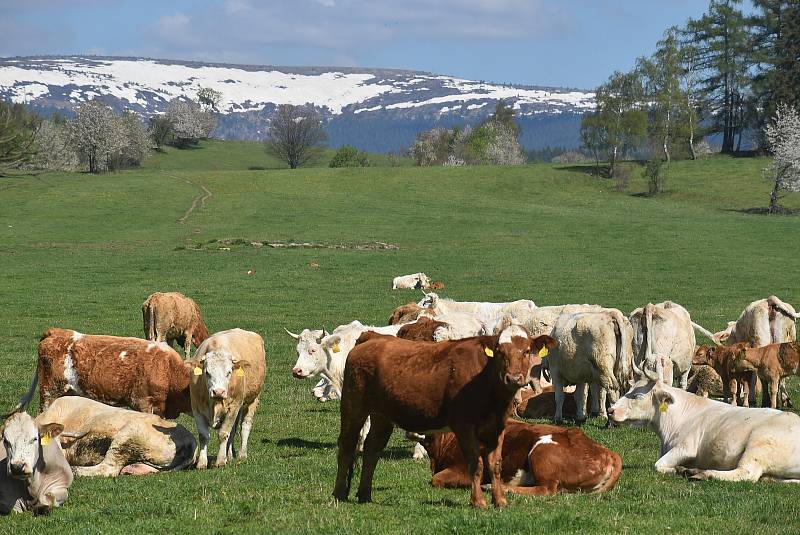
[[708, 439], [415, 281]]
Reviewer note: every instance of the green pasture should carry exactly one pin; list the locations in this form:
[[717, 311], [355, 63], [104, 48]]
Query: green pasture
[[83, 252]]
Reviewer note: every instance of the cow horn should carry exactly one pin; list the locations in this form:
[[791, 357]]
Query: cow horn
[[636, 369], [290, 333]]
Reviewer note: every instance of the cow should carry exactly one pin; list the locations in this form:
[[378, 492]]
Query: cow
[[34, 474], [763, 322], [465, 386], [422, 329], [170, 317], [538, 460], [435, 285], [145, 376], [416, 281], [593, 347], [705, 381], [228, 372], [770, 363], [100, 440], [485, 312], [721, 359], [406, 313], [666, 331], [543, 404], [707, 439]]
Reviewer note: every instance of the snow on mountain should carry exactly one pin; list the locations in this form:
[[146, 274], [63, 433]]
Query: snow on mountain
[[381, 98]]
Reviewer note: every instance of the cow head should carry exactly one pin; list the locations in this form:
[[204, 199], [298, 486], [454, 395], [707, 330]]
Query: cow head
[[642, 404], [514, 351], [218, 368], [704, 355], [23, 439], [310, 355], [429, 301]]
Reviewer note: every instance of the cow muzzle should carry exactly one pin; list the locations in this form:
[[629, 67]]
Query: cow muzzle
[[219, 393], [516, 379], [19, 470], [298, 373]]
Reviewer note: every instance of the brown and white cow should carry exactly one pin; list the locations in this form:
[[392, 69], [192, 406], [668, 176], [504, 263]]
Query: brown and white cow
[[543, 404], [227, 377], [170, 317], [100, 440], [406, 313], [771, 363], [145, 376], [420, 330], [466, 386], [722, 358], [34, 474], [538, 460]]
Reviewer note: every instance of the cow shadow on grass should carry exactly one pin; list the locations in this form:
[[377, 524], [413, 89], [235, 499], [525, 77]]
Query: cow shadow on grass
[[782, 210], [300, 443], [445, 502]]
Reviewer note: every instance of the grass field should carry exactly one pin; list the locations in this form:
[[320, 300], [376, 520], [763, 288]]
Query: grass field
[[83, 252]]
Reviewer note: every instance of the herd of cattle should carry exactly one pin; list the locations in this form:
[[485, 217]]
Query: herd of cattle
[[452, 374]]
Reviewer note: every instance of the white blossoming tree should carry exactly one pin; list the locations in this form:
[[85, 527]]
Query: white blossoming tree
[[190, 123], [96, 134], [783, 139]]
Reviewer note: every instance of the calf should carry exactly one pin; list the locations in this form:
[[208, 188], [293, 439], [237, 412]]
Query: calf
[[227, 377], [466, 386], [100, 440], [538, 460], [173, 317], [771, 363], [145, 376], [707, 439], [406, 313], [422, 329], [721, 358], [543, 404], [34, 475]]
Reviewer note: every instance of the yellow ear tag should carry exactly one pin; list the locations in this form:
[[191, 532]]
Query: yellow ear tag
[[45, 440], [240, 372], [544, 352], [663, 406], [488, 351], [336, 348], [198, 370]]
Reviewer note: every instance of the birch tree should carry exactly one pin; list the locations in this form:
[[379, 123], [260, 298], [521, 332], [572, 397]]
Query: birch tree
[[783, 138]]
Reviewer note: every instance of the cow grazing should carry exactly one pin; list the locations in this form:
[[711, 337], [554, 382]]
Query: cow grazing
[[721, 359], [100, 440], [172, 316], [34, 475], [416, 281], [145, 376], [707, 439], [543, 404], [466, 386], [593, 347], [406, 313], [227, 377], [538, 460], [771, 363]]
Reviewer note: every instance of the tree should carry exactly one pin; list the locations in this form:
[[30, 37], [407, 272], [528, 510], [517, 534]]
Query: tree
[[137, 142], [209, 98], [504, 114], [594, 137], [190, 123], [53, 150], [295, 135], [96, 135], [160, 128], [783, 138], [620, 112], [349, 156], [17, 134]]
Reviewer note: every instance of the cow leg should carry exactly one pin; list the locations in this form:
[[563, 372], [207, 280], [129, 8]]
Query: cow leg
[[187, 345], [580, 403], [594, 399], [746, 393], [770, 384], [539, 490], [746, 471], [231, 450], [685, 379], [558, 390], [419, 452], [362, 435], [352, 420], [602, 394], [226, 432], [117, 456], [674, 458], [733, 388], [470, 449], [247, 425], [494, 460], [379, 434], [203, 434], [450, 478]]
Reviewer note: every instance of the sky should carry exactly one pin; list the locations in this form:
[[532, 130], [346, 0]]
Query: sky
[[567, 43]]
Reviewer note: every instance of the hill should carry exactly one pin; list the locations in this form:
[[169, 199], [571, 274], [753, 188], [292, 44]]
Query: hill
[[374, 109], [83, 251]]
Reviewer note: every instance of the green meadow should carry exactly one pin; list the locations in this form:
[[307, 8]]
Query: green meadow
[[82, 251]]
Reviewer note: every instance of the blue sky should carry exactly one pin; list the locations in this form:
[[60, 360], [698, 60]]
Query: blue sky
[[575, 43]]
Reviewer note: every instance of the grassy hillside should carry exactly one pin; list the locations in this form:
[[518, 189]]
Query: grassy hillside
[[84, 251]]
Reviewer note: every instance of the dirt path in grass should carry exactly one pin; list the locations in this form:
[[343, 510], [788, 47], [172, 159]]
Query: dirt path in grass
[[199, 200]]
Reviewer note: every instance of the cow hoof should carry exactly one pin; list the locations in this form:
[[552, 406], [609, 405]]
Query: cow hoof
[[580, 422], [688, 472], [201, 466], [219, 464], [364, 499], [558, 421], [480, 504], [500, 503]]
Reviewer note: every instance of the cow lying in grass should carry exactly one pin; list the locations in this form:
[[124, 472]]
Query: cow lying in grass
[[466, 386], [706, 439], [538, 460]]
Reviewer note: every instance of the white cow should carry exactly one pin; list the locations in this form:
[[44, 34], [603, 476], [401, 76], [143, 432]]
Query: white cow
[[34, 474], [458, 325], [415, 281], [593, 348], [485, 312], [707, 439]]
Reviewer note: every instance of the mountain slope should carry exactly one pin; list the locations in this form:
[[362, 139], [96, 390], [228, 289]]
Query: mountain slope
[[374, 109]]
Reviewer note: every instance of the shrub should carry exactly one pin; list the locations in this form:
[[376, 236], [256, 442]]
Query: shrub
[[653, 172], [349, 156]]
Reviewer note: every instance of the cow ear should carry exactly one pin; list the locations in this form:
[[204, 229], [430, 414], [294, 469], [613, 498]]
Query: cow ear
[[51, 430], [542, 344], [664, 399], [332, 341]]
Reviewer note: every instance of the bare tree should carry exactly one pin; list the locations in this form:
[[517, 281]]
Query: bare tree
[[783, 137], [295, 135]]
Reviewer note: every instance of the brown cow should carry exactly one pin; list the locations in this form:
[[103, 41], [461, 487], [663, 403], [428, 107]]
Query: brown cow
[[771, 363], [721, 358], [466, 386], [543, 404], [538, 460], [172, 316], [145, 376], [422, 330], [406, 313], [435, 285]]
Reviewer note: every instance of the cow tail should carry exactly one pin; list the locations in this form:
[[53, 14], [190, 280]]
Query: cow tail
[[705, 332], [25, 400], [781, 307]]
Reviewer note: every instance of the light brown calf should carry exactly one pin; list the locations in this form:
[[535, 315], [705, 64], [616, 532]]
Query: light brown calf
[[771, 363], [170, 317], [721, 358]]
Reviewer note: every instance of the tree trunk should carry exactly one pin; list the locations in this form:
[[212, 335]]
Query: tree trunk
[[613, 162], [773, 197]]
